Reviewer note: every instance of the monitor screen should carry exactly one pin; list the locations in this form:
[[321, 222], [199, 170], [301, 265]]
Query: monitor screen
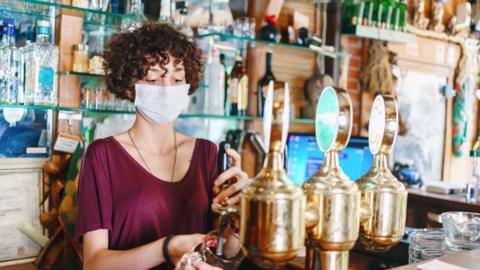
[[305, 159]]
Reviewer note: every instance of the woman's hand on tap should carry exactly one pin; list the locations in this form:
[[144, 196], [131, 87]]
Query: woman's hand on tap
[[231, 195]]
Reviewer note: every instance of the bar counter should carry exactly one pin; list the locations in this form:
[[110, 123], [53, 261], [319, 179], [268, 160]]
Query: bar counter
[[468, 259]]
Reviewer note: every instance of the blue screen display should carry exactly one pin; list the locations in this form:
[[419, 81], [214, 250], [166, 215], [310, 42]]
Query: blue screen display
[[305, 159]]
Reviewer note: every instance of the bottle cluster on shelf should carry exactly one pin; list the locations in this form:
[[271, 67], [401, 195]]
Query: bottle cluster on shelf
[[384, 14], [96, 97], [225, 87], [28, 74]]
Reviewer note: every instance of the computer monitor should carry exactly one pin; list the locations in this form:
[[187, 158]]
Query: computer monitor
[[305, 159]]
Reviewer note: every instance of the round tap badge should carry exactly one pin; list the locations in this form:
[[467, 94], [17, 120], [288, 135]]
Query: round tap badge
[[326, 119], [376, 126]]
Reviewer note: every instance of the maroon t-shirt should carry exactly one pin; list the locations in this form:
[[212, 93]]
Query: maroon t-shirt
[[118, 194]]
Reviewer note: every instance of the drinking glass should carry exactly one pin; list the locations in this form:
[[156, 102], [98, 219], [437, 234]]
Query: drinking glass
[[426, 244], [232, 254], [462, 230]]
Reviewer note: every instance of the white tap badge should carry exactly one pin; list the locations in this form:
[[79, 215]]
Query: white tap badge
[[376, 126]]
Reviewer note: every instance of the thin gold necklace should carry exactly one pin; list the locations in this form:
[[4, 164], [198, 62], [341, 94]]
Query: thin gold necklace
[[145, 163]]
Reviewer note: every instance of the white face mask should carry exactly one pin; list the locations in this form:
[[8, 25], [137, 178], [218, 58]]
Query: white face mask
[[161, 104]]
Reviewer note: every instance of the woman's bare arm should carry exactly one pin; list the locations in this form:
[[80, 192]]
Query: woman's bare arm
[[97, 256]]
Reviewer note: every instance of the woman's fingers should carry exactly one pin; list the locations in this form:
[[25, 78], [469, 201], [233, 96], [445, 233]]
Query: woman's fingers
[[228, 174], [231, 191], [236, 159]]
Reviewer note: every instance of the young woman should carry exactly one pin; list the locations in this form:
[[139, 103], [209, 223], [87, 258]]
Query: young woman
[[145, 195]]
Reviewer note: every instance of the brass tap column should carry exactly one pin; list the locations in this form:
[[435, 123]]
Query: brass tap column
[[384, 198], [336, 197], [272, 211]]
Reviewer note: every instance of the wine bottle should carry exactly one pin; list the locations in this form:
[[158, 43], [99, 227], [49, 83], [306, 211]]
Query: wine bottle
[[233, 87], [242, 91], [263, 83]]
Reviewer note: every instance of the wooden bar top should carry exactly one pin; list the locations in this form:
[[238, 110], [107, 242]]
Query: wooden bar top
[[357, 262], [467, 259]]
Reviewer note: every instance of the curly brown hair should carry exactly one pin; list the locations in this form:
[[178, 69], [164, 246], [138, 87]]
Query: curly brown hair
[[129, 55]]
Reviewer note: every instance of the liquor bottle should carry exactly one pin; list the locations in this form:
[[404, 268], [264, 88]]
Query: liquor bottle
[[11, 62], [242, 91], [263, 83], [41, 69], [233, 87], [270, 31], [181, 20], [228, 71], [165, 15], [215, 94]]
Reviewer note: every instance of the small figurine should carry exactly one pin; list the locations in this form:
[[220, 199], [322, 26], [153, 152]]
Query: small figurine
[[420, 20], [437, 19], [464, 18]]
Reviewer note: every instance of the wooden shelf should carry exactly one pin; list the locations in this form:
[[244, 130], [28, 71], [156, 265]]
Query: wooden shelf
[[379, 34]]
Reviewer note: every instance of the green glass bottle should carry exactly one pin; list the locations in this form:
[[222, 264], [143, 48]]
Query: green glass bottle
[[367, 12], [382, 17], [402, 17], [376, 17], [392, 10], [347, 11], [357, 14]]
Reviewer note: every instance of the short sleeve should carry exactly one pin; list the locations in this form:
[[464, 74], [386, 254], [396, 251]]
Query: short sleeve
[[94, 198]]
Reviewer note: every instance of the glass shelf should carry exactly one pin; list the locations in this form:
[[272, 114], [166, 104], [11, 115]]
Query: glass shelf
[[39, 3], [317, 49], [82, 74], [37, 14], [47, 9], [199, 115]]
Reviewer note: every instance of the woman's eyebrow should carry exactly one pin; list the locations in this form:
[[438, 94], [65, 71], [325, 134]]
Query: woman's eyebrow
[[154, 70], [179, 69]]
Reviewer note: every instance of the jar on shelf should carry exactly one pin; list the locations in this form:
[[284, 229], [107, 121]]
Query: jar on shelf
[[95, 65], [80, 3], [80, 58]]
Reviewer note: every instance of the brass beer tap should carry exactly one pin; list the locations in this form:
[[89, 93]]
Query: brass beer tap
[[384, 198], [277, 218], [272, 223], [336, 197]]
